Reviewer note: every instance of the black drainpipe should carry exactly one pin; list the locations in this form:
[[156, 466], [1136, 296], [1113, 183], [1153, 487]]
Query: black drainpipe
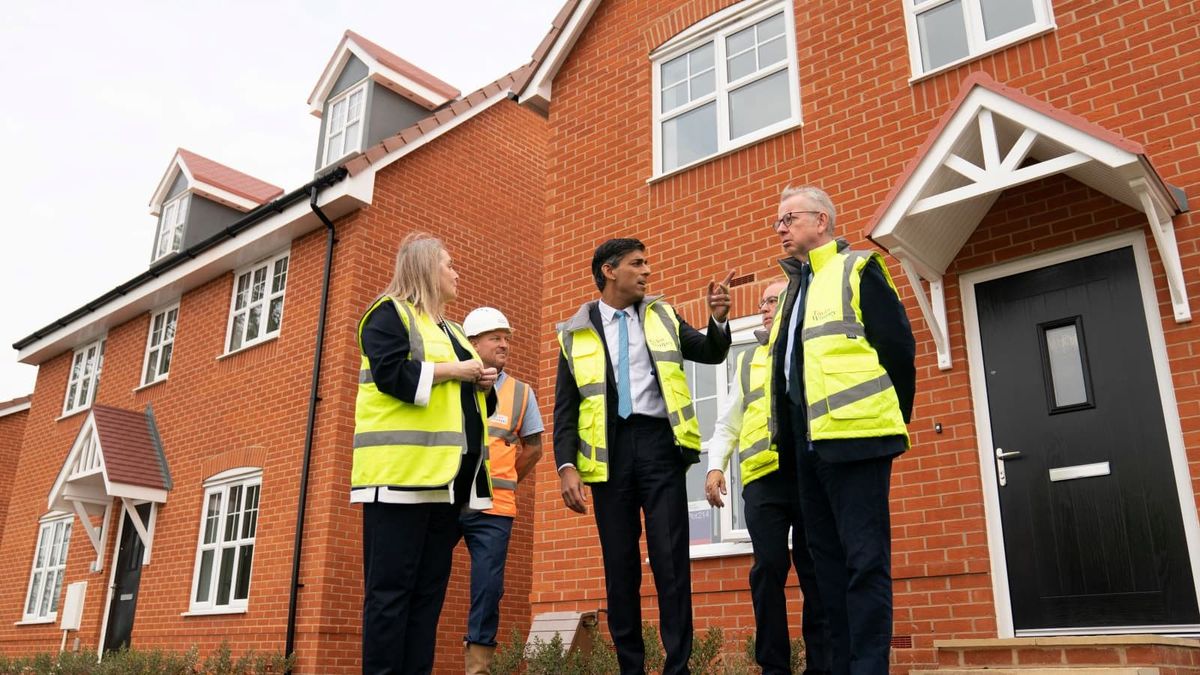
[[313, 399]]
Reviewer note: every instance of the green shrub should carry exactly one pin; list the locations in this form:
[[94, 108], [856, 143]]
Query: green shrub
[[146, 662]]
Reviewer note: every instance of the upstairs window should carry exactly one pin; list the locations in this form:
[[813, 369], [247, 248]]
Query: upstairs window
[[344, 123], [160, 345], [257, 310], [942, 33], [49, 564], [727, 82], [225, 553], [170, 227], [84, 377]]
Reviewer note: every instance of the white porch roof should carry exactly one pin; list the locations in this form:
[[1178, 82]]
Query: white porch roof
[[994, 138]]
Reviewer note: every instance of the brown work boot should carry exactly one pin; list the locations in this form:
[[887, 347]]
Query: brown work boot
[[479, 659]]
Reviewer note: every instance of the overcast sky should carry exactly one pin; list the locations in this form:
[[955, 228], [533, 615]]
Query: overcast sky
[[99, 94]]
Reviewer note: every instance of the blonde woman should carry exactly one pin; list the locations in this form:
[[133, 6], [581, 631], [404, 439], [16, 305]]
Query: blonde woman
[[423, 399]]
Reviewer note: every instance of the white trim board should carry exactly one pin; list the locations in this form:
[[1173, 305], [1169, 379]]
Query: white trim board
[[1158, 348]]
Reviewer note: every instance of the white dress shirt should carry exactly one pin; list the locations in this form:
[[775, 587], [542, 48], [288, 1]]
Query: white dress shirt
[[647, 399]]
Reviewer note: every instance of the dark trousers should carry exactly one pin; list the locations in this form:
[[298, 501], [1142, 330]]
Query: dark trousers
[[646, 474], [487, 538], [772, 509], [407, 552], [848, 523]]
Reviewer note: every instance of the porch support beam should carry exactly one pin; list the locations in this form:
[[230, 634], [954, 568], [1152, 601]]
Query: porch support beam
[[933, 307], [1159, 219]]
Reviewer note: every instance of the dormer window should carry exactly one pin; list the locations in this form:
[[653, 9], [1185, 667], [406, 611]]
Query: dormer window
[[343, 131], [170, 227]]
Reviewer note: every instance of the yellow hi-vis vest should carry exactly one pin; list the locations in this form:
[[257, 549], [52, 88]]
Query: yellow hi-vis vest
[[400, 444], [849, 394], [757, 455], [504, 426], [585, 355]]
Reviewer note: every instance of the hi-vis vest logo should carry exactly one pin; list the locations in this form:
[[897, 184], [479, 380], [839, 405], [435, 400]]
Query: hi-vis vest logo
[[500, 419], [822, 315], [660, 342]]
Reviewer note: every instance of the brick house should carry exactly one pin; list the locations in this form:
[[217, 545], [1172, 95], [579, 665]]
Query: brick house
[[1025, 166], [177, 428]]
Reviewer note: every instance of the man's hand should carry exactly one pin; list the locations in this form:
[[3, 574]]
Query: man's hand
[[572, 490], [487, 378], [714, 487], [718, 297]]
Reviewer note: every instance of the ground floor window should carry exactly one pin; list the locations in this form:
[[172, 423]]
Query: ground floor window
[[225, 552], [49, 563]]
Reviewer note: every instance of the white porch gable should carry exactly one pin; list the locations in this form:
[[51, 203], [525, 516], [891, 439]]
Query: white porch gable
[[995, 138]]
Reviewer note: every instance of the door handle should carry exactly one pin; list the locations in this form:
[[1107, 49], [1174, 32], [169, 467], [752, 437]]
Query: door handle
[[1001, 455]]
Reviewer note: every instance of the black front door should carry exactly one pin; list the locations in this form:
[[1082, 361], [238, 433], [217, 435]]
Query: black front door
[[1093, 533], [126, 577]]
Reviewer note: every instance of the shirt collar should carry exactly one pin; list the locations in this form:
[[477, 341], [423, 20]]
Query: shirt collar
[[609, 313]]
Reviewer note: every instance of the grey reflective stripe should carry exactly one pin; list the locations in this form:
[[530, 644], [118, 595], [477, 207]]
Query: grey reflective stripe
[[665, 317], [852, 257], [669, 357], [852, 329], [753, 396], [365, 376], [368, 439], [416, 341], [520, 391], [847, 396], [504, 484], [680, 416], [503, 433], [593, 389], [597, 454], [744, 373], [759, 446]]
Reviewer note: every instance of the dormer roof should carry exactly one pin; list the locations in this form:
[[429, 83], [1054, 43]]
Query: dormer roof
[[387, 69], [214, 181]]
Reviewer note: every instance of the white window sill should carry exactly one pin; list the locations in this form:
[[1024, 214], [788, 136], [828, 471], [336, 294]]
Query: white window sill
[[250, 346], [215, 612], [73, 413], [147, 386], [164, 256], [724, 153], [36, 622], [721, 550], [974, 57]]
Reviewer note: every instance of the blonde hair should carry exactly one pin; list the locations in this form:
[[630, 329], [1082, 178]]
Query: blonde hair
[[416, 277]]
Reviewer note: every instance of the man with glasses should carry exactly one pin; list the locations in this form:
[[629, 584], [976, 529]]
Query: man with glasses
[[842, 380], [771, 490]]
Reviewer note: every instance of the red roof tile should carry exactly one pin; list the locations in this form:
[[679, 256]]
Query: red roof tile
[[218, 175], [403, 67], [131, 454]]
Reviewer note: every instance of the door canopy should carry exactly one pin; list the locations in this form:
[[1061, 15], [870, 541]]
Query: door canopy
[[117, 454], [994, 138]]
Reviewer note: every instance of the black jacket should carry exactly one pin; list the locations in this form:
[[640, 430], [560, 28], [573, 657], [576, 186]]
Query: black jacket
[[696, 346]]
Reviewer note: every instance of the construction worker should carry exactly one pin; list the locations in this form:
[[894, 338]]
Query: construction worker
[[515, 430]]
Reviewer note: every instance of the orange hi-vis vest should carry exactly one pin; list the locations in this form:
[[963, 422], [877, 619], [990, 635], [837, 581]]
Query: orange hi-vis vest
[[504, 429]]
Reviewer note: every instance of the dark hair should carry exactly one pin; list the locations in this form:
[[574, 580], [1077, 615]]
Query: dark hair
[[610, 253]]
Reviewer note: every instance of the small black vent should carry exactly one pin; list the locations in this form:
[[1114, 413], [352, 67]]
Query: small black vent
[[742, 280]]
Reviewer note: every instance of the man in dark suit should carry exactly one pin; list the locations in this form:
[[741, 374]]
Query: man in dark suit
[[843, 380], [624, 424]]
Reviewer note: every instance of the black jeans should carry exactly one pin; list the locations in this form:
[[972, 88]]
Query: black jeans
[[407, 553], [645, 474]]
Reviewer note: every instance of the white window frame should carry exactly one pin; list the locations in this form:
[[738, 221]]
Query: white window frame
[[977, 43], [732, 541], [54, 531], [715, 29], [152, 370], [330, 117], [220, 487], [171, 222], [84, 375], [263, 303]]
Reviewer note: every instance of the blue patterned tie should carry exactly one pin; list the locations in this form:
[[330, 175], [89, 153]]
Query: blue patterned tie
[[624, 394]]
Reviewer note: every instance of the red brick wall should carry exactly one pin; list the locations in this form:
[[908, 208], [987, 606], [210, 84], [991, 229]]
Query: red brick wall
[[480, 188], [1126, 67], [12, 432]]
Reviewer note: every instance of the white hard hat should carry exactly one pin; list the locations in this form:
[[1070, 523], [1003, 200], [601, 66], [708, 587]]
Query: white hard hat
[[484, 319]]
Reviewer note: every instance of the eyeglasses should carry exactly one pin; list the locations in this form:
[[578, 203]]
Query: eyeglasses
[[768, 302], [787, 219]]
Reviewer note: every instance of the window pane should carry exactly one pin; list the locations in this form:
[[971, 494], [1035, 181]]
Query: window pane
[[742, 65], [164, 364], [234, 513], [772, 52], [243, 287], [47, 589], [1005, 16], [156, 332], [704, 84], [674, 96], [275, 316], [337, 116], [169, 329], [740, 41], [279, 276], [235, 337], [211, 518], [675, 70], [35, 592], [245, 558], [260, 284], [1066, 365], [250, 522], [253, 321], [205, 580], [352, 133], [943, 35], [62, 555], [355, 110], [759, 104], [54, 595], [701, 59], [225, 577], [689, 136], [769, 28], [43, 549]]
